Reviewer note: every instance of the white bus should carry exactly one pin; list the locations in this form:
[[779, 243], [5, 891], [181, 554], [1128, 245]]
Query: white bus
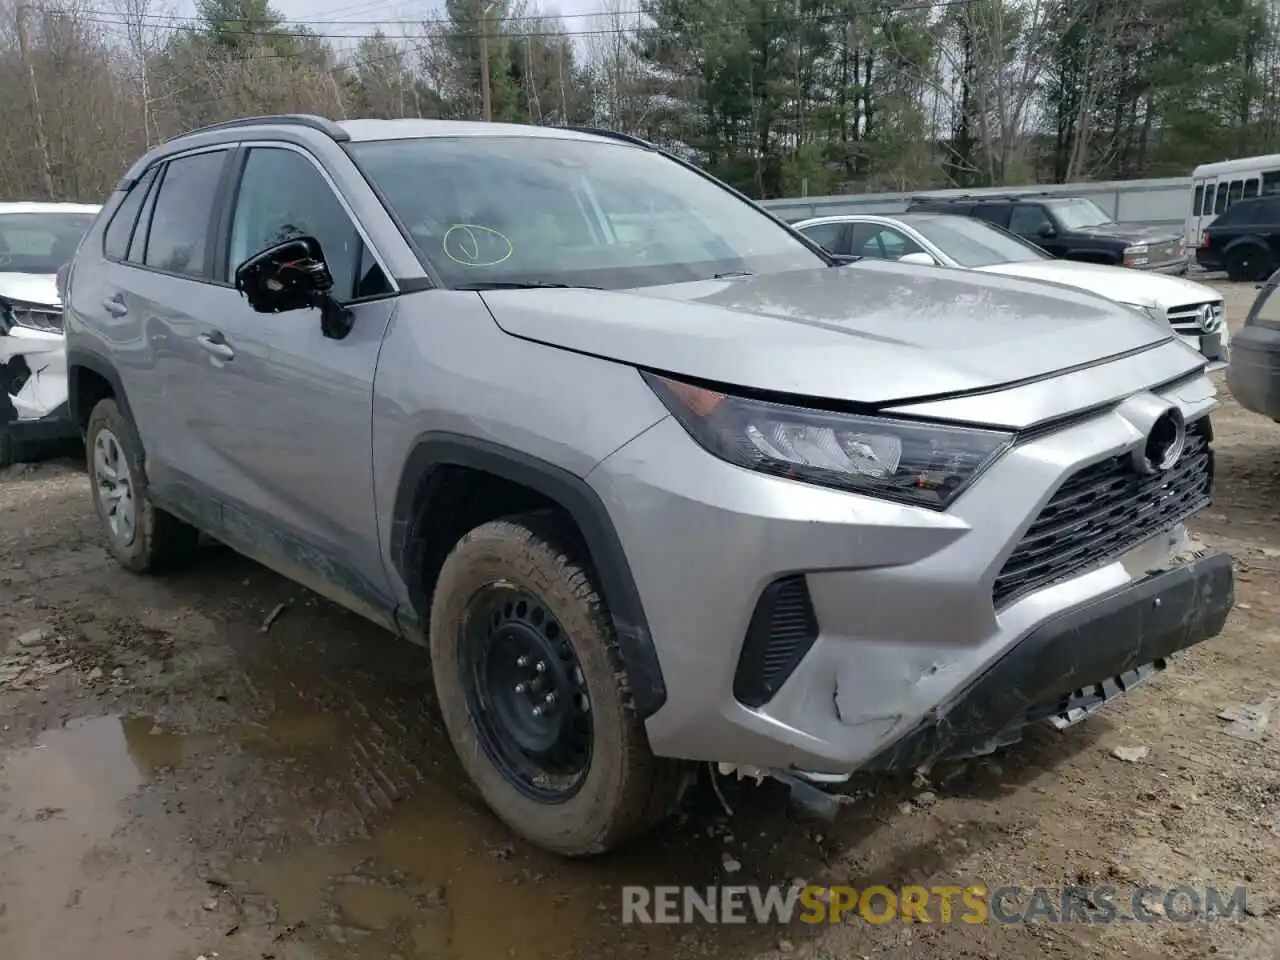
[[1215, 186]]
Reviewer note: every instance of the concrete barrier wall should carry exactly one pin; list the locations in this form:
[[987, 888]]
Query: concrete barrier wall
[[1155, 202]]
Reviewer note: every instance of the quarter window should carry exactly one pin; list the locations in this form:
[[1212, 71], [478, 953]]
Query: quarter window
[[178, 238], [119, 231]]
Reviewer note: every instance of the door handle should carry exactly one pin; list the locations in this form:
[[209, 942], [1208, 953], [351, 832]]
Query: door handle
[[115, 305], [216, 344]]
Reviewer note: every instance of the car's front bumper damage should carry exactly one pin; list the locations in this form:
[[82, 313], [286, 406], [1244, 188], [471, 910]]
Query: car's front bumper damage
[[1076, 661]]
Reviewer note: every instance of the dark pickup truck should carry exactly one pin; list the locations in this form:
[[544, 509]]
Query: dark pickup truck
[[1069, 228]]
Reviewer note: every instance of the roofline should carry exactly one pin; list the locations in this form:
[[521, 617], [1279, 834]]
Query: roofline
[[328, 127]]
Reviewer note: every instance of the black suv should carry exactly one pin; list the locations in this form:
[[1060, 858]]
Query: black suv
[[1069, 228], [1244, 240]]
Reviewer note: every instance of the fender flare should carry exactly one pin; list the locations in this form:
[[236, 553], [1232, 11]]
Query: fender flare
[[92, 360], [1249, 240], [438, 449]]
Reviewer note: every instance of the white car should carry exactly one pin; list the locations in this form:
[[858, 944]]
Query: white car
[[36, 239], [1193, 310]]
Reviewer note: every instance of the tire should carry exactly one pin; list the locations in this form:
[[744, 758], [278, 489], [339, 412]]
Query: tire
[[624, 789], [154, 541], [7, 452], [1248, 263]]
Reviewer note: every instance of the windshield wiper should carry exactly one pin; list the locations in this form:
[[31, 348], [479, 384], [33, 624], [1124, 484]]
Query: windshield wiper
[[840, 259], [523, 285], [732, 273]]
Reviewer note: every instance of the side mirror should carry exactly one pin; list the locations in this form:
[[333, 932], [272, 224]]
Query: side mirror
[[293, 276], [1046, 230], [921, 258]]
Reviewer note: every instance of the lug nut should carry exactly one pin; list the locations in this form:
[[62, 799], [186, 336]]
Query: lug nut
[[521, 688], [542, 666], [550, 698], [522, 661], [537, 711]]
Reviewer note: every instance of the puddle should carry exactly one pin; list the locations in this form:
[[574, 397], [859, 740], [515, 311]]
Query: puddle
[[75, 880]]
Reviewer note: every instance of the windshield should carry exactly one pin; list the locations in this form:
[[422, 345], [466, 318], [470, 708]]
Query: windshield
[[40, 242], [1078, 214], [973, 243], [513, 210]]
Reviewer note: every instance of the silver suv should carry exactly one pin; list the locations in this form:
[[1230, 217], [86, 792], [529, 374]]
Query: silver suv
[[653, 478]]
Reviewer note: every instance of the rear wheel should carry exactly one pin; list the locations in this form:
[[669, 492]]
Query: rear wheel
[[141, 536], [533, 693], [1248, 263]]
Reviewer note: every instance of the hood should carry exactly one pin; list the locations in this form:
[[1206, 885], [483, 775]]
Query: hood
[[1122, 284], [869, 333], [1132, 232], [30, 287]]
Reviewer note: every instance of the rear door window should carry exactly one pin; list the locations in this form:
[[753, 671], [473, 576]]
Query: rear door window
[[177, 241]]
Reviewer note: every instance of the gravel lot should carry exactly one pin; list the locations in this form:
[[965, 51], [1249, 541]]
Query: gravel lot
[[176, 782]]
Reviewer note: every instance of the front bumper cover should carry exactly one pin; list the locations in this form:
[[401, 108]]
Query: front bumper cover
[[1113, 635]]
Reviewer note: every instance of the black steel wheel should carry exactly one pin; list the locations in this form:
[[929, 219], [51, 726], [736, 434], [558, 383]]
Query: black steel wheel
[[526, 693], [534, 694]]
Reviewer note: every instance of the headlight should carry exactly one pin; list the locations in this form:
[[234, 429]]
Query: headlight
[[926, 464], [1136, 256], [33, 316]]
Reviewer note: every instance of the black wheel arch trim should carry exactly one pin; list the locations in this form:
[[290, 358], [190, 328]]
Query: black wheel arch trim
[[91, 360], [432, 451]]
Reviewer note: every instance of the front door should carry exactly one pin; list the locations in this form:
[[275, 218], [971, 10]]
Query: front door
[[1031, 221], [293, 412]]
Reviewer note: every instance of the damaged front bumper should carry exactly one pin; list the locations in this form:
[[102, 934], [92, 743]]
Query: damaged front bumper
[[1075, 662], [33, 385], [1060, 673]]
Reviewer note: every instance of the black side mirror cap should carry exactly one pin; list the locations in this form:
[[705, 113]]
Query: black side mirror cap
[[287, 276]]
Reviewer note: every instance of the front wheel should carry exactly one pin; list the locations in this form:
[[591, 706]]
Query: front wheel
[[533, 692]]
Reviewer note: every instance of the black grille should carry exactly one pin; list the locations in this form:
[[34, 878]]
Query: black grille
[[1103, 511], [783, 628]]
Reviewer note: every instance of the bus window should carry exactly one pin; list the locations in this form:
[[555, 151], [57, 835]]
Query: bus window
[[1237, 188], [1221, 203], [1251, 188], [1207, 209], [1197, 200], [1270, 183]]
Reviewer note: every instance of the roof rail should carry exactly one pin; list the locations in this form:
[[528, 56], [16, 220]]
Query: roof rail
[[613, 135], [322, 124]]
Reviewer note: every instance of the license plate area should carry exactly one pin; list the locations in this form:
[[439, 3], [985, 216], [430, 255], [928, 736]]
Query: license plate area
[[1084, 703]]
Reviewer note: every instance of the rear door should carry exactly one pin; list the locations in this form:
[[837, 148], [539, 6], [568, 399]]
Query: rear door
[[143, 295]]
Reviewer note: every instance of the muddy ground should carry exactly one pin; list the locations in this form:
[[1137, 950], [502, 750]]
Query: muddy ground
[[176, 782]]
